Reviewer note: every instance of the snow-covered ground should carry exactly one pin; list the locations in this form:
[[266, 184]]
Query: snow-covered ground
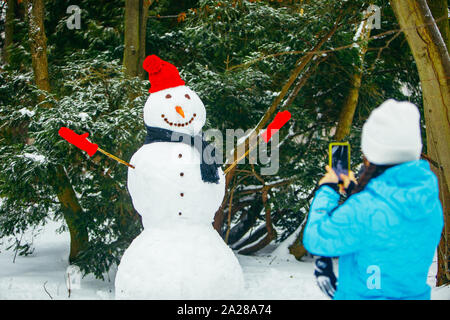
[[273, 274]]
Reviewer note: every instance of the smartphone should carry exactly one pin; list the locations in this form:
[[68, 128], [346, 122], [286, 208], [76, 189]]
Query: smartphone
[[339, 158]]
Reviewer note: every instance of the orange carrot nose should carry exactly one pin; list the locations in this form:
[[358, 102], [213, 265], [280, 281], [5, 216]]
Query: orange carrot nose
[[180, 110]]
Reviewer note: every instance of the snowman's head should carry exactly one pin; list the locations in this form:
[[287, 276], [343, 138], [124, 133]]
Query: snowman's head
[[178, 109], [171, 105]]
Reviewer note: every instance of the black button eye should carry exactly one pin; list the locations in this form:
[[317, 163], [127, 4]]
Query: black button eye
[[168, 96], [187, 96]]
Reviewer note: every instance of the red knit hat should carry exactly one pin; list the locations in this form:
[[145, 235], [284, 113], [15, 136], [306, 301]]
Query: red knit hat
[[162, 74]]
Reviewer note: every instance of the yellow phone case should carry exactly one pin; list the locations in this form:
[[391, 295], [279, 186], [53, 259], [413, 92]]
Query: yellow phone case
[[330, 146]]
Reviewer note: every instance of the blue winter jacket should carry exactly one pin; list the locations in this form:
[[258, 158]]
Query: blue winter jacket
[[385, 236]]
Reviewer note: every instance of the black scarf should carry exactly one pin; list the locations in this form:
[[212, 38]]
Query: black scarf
[[209, 172]]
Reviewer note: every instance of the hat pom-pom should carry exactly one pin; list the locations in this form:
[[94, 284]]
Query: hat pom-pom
[[152, 64]]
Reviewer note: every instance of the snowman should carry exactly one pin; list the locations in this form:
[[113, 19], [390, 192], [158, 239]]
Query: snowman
[[176, 190]]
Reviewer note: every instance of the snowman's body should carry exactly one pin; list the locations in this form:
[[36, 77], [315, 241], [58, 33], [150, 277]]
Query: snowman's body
[[167, 179], [178, 255]]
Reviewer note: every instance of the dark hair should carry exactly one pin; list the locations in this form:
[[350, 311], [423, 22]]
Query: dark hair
[[370, 172]]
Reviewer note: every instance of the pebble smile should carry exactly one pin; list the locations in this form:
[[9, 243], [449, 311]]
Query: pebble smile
[[179, 124]]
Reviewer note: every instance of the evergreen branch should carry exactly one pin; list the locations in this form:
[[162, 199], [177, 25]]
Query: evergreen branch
[[320, 52]]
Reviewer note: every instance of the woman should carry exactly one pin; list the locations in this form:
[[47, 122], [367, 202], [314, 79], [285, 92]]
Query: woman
[[387, 231]]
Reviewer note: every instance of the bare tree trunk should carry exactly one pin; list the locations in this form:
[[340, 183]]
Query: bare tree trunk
[[38, 43], [433, 63], [296, 248], [443, 272], [136, 14], [70, 206], [219, 215], [439, 9], [73, 214], [142, 33], [131, 50], [9, 28], [348, 110]]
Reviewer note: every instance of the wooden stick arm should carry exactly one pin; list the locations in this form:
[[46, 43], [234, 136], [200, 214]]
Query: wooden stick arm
[[115, 158]]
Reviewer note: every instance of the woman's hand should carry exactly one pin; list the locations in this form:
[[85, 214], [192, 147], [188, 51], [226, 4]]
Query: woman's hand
[[349, 182], [329, 177], [348, 179]]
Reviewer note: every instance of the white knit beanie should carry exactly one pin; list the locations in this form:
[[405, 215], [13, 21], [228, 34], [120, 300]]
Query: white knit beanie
[[391, 134]]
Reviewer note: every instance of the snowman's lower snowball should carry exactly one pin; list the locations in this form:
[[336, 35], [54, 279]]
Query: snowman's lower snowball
[[166, 264]]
